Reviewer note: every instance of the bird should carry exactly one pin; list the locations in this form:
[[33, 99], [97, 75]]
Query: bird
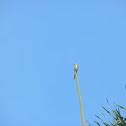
[[75, 69]]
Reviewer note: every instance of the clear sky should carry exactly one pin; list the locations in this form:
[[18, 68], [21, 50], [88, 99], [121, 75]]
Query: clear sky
[[40, 42]]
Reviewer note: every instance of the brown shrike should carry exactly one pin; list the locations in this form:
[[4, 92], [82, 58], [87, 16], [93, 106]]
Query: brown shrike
[[75, 69]]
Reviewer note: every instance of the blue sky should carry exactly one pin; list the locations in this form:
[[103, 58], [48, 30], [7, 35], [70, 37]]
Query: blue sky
[[40, 42]]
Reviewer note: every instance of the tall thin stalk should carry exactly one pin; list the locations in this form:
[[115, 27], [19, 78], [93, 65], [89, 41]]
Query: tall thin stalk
[[81, 106]]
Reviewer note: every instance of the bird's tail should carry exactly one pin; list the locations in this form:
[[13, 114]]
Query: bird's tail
[[74, 76]]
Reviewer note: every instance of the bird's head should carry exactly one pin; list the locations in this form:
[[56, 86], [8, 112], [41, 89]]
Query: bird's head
[[75, 64]]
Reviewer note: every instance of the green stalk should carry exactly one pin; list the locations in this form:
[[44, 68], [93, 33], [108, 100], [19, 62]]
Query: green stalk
[[81, 106]]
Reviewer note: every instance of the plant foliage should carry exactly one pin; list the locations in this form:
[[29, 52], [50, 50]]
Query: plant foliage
[[117, 118]]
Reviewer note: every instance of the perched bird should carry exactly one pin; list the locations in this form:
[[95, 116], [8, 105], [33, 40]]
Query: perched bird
[[75, 69]]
